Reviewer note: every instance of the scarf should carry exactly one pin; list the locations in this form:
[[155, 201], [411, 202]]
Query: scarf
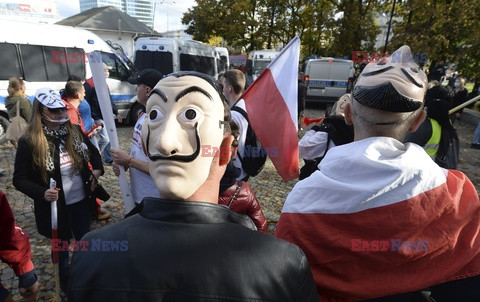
[[59, 135]]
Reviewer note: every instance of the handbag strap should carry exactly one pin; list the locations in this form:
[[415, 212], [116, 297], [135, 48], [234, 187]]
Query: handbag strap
[[234, 196], [18, 108]]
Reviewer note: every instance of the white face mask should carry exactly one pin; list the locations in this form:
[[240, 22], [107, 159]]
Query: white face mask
[[456, 84], [183, 117]]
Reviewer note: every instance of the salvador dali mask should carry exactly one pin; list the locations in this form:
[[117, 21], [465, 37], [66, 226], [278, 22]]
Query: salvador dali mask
[[184, 115]]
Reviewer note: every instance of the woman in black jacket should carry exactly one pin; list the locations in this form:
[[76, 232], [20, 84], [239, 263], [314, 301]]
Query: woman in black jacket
[[54, 148]]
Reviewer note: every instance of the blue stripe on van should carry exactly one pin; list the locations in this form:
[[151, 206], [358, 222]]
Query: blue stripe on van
[[323, 84], [122, 97]]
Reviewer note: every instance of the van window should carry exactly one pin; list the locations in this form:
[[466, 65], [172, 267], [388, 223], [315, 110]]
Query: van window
[[162, 61], [319, 70], [118, 70], [56, 70], [260, 66], [197, 63], [340, 71], [9, 61], [223, 63], [76, 67], [33, 63], [248, 67]]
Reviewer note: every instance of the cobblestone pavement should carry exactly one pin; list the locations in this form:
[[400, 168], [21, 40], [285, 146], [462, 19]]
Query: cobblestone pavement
[[269, 187]]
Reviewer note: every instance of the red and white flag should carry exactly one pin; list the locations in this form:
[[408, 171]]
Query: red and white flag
[[271, 103], [379, 218]]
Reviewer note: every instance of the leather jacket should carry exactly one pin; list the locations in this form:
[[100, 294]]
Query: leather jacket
[[242, 200], [188, 251]]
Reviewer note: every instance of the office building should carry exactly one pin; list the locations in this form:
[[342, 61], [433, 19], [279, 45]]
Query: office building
[[142, 10]]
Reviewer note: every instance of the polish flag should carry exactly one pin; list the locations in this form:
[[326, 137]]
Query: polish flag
[[271, 103], [380, 218]]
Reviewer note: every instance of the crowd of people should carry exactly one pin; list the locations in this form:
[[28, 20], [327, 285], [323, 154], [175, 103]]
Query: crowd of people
[[379, 214]]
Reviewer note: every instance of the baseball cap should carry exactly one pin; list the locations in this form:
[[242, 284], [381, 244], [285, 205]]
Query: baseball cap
[[49, 98], [149, 77], [394, 84]]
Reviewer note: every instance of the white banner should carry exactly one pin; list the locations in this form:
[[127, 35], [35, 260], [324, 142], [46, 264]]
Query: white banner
[[103, 95]]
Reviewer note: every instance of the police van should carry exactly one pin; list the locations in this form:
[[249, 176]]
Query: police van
[[327, 79], [257, 61], [45, 55], [169, 55]]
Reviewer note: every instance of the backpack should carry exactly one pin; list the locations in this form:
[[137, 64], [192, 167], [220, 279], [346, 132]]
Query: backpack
[[338, 132], [17, 127], [448, 149], [254, 154]]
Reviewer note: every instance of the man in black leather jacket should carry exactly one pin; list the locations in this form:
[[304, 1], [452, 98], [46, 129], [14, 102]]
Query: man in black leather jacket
[[186, 247]]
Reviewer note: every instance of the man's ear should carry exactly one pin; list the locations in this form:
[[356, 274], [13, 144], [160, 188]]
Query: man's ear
[[418, 121], [225, 150], [348, 114]]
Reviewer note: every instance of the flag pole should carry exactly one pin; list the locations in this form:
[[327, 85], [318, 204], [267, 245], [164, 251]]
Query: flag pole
[[54, 221], [463, 105]]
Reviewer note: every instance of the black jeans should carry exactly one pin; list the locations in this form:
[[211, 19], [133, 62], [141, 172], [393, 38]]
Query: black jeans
[[79, 217]]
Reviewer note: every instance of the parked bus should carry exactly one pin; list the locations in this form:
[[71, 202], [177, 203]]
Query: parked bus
[[45, 55], [257, 61]]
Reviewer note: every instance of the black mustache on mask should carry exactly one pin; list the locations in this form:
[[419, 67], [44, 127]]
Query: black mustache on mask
[[182, 158]]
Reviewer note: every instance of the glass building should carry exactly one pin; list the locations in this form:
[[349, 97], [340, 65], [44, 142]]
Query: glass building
[[141, 9]]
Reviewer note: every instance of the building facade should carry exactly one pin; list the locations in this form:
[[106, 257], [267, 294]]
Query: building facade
[[142, 10]]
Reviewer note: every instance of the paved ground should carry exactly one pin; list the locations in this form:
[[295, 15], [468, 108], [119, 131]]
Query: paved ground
[[270, 189]]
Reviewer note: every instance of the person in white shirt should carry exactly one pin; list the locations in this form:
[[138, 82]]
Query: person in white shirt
[[141, 182]]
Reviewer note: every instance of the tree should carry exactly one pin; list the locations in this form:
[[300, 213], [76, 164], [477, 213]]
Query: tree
[[356, 29], [445, 29]]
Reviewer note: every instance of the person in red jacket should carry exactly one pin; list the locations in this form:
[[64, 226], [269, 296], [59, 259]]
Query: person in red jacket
[[240, 198], [238, 195], [15, 251]]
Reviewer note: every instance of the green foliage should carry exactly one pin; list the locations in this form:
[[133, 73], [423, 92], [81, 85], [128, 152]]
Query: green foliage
[[445, 29]]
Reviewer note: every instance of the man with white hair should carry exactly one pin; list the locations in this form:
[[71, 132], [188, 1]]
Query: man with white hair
[[184, 246], [379, 218]]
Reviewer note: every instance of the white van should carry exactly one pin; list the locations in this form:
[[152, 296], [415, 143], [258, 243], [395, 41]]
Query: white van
[[224, 63], [327, 79], [171, 55], [45, 55], [257, 61]]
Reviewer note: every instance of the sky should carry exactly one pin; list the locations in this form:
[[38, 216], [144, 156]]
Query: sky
[[168, 14]]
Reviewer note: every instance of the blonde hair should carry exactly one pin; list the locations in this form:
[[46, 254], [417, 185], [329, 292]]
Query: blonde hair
[[41, 145], [15, 85]]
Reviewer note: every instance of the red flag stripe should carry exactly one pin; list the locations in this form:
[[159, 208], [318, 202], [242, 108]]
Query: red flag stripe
[[348, 261]]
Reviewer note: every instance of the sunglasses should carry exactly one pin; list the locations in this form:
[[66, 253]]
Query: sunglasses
[[56, 110]]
